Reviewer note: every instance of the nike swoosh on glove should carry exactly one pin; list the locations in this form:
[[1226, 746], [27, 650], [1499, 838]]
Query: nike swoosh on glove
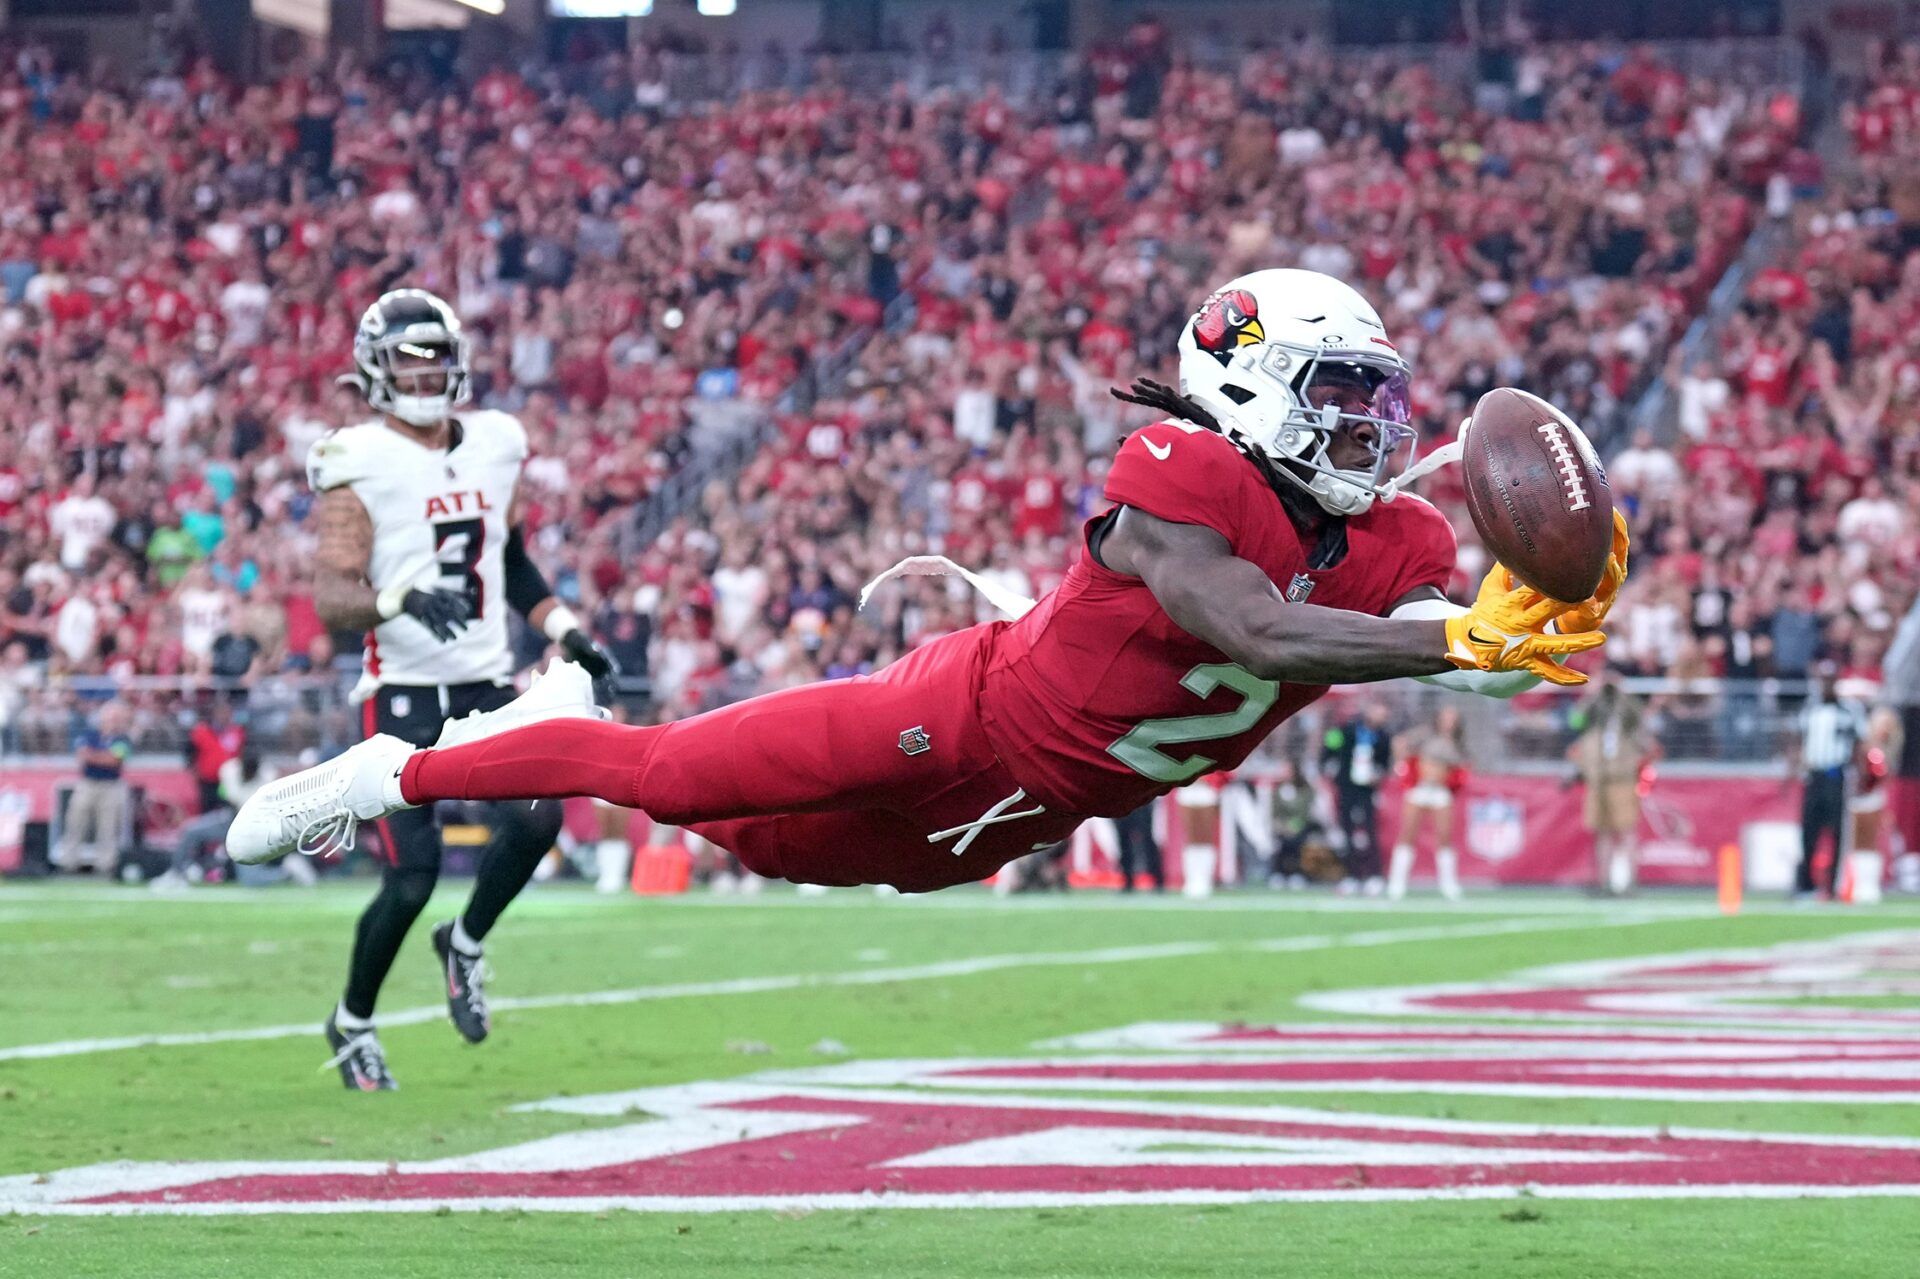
[[1502, 632]]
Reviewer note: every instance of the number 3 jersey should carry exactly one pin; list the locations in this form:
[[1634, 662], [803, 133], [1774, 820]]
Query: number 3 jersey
[[1097, 701], [439, 523]]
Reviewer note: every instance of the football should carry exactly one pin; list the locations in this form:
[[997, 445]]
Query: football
[[1537, 494]]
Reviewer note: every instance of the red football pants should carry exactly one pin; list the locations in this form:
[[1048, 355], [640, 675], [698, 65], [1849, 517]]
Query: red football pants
[[880, 779]]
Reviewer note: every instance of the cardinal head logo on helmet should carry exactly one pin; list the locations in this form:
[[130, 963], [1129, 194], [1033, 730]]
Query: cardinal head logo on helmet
[[1228, 319]]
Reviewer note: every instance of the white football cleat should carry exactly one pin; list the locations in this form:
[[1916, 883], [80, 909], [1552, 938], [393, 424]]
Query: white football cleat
[[318, 809], [563, 691]]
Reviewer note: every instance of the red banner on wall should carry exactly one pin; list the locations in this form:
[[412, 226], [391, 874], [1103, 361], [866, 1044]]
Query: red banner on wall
[[1529, 829]]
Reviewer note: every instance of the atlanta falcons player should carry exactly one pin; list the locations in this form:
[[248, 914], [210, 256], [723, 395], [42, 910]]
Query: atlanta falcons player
[[1248, 563], [420, 547]]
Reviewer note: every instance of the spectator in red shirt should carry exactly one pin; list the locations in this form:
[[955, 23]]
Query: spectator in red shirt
[[214, 740]]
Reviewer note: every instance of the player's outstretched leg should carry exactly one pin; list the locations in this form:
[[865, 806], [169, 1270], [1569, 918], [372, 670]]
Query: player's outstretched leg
[[319, 809], [817, 748]]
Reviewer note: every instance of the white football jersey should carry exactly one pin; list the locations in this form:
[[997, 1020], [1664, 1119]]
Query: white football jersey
[[439, 522]]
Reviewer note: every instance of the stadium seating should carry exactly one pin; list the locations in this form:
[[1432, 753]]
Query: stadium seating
[[923, 305]]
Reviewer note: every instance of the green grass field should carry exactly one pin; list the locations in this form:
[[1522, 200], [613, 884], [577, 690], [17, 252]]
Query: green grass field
[[138, 1029]]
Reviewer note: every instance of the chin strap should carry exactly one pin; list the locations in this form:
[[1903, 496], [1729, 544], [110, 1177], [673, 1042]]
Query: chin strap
[[1445, 455]]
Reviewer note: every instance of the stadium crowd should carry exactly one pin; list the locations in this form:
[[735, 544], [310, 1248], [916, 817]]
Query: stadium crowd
[[1781, 517], [928, 298]]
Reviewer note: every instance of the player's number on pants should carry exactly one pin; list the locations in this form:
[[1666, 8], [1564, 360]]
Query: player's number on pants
[[1140, 749]]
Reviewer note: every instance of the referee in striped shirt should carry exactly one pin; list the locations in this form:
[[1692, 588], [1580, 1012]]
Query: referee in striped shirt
[[1830, 735]]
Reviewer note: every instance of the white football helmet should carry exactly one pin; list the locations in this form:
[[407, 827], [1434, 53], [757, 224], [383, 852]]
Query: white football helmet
[[410, 357], [1259, 346]]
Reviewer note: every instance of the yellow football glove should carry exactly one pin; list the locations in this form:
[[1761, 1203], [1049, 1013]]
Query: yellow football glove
[[1502, 632], [1589, 613]]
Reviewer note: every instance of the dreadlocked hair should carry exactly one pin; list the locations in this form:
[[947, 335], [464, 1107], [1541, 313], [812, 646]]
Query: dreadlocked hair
[[1164, 399]]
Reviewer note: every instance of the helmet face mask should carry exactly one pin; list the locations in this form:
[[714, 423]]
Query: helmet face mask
[[410, 357], [1296, 365], [1352, 421]]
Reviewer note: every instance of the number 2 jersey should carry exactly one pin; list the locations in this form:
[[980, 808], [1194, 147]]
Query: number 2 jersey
[[439, 523], [1097, 701]]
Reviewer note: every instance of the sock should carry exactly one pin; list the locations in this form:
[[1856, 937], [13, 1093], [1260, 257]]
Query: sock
[[546, 760], [613, 859], [1620, 873], [1399, 870], [737, 762], [346, 1021], [1446, 864], [461, 941], [1212, 855]]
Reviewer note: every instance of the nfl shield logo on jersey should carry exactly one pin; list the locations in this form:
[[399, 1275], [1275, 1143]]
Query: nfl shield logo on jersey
[[1299, 588], [915, 741]]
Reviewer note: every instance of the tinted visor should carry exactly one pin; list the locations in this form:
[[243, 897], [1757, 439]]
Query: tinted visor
[[1367, 404]]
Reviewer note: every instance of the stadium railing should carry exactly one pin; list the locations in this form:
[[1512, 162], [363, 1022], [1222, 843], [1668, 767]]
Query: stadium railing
[[1753, 63], [1703, 725]]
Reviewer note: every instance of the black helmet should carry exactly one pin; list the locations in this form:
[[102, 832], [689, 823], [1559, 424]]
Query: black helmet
[[407, 335]]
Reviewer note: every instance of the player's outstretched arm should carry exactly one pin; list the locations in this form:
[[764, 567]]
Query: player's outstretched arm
[[1230, 603]]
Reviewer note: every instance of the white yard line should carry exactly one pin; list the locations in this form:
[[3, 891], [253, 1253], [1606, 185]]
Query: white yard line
[[980, 1199], [859, 977], [1697, 906]]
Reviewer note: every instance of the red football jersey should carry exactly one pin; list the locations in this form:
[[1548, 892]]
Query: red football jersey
[[1097, 701]]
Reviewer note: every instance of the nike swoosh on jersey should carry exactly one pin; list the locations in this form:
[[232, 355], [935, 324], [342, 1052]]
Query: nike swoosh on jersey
[[1160, 451]]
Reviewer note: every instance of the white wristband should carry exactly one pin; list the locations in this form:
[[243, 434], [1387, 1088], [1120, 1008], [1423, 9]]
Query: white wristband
[[389, 602], [560, 620]]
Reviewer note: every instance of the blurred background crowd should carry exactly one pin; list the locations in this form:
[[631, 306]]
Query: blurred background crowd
[[768, 344]]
